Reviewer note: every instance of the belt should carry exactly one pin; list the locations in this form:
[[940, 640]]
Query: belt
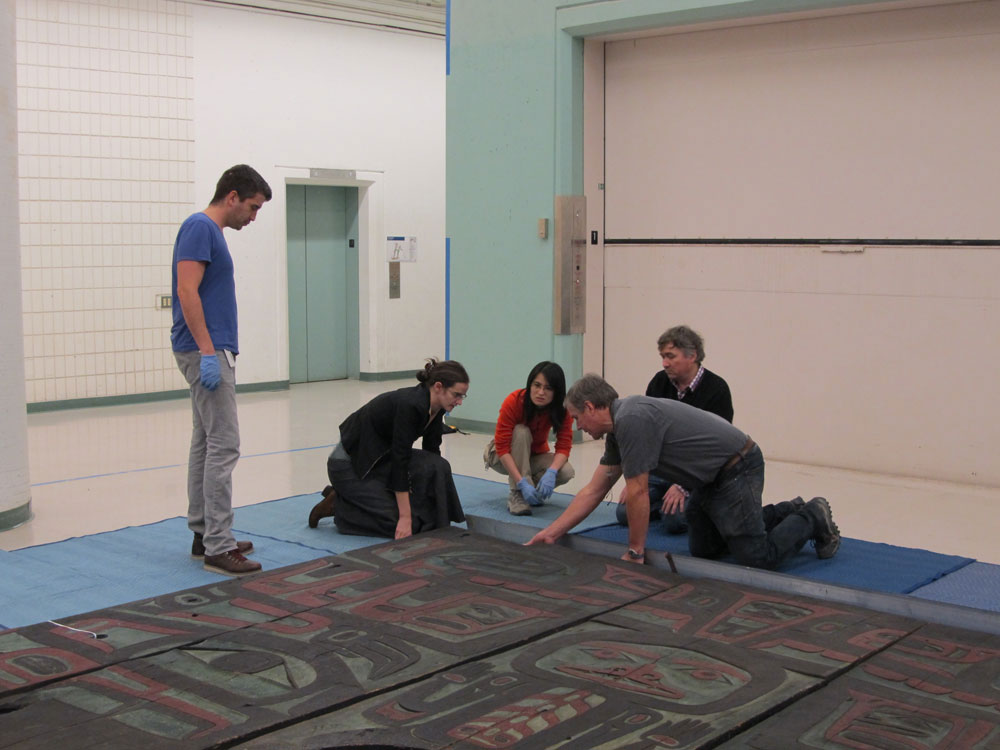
[[740, 455]]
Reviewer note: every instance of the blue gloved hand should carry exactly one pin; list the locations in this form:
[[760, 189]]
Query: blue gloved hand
[[546, 484], [528, 491], [211, 376]]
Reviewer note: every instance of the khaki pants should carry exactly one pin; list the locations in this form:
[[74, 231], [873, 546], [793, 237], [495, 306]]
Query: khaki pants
[[531, 466]]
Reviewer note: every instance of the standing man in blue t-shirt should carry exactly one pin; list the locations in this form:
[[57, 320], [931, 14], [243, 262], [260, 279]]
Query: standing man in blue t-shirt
[[205, 343]]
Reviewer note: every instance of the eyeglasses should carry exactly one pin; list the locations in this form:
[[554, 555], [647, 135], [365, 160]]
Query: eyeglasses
[[459, 396]]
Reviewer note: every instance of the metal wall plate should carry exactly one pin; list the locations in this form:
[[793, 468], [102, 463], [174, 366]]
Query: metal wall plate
[[569, 250], [394, 279]]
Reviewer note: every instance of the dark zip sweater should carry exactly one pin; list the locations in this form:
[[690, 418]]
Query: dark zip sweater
[[387, 426], [711, 395]]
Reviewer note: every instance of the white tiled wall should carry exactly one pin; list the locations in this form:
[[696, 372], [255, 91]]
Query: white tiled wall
[[106, 165]]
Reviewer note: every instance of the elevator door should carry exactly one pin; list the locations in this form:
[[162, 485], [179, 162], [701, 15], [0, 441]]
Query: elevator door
[[320, 281]]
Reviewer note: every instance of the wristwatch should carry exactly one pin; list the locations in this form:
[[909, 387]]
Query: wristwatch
[[633, 555]]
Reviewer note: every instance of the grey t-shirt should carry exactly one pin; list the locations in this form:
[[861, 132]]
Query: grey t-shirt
[[669, 438]]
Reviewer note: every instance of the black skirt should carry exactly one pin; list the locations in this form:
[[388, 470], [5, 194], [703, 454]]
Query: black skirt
[[368, 507]]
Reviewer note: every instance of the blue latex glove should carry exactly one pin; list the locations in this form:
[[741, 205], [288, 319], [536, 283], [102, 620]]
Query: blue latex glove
[[211, 376], [546, 484], [528, 491]]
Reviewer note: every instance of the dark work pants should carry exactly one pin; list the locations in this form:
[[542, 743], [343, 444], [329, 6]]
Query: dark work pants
[[727, 516]]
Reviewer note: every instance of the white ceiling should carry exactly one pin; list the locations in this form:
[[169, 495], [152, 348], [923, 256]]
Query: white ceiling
[[423, 16]]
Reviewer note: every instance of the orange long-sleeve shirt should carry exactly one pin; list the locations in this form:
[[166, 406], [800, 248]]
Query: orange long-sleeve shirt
[[512, 414]]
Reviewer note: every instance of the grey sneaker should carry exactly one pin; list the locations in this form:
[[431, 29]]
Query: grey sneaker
[[826, 539], [198, 547], [517, 505], [231, 563]]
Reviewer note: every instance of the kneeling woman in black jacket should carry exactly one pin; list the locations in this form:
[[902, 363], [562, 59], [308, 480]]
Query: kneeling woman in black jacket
[[380, 484]]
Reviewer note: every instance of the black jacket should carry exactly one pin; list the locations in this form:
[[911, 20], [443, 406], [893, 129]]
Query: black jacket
[[712, 393], [386, 427]]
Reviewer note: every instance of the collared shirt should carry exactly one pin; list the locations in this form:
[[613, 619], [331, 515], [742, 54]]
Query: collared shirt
[[692, 385]]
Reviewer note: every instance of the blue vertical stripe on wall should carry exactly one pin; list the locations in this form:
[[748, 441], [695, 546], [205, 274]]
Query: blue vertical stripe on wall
[[447, 297]]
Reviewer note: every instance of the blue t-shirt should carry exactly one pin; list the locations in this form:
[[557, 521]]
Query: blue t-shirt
[[200, 239]]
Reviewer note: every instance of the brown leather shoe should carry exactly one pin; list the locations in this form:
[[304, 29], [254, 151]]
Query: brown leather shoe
[[198, 547], [231, 563], [322, 509]]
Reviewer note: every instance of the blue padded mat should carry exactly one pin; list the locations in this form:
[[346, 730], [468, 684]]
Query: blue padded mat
[[102, 570], [976, 585], [286, 518], [482, 497], [859, 564], [77, 575]]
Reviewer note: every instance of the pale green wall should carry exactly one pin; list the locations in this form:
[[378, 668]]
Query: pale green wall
[[501, 120], [514, 141]]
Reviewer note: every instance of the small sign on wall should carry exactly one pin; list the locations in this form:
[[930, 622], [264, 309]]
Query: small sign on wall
[[401, 249]]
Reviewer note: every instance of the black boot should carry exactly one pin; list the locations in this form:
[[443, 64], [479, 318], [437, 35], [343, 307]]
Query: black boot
[[826, 535], [322, 509]]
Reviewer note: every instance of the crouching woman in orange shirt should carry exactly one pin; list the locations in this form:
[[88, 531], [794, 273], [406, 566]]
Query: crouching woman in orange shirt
[[520, 446]]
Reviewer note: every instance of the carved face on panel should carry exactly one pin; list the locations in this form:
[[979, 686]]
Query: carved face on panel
[[673, 674]]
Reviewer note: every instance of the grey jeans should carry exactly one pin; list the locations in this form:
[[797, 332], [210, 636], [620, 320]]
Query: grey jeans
[[215, 449]]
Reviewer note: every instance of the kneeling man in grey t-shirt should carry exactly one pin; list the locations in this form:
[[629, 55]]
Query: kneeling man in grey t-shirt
[[646, 434]]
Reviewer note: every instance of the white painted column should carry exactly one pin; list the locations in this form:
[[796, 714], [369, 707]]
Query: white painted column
[[15, 491]]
